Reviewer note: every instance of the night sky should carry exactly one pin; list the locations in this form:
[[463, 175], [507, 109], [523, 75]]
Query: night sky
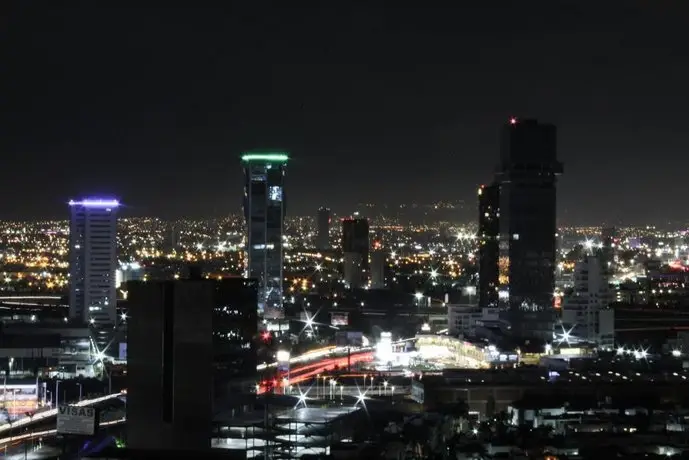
[[375, 104]]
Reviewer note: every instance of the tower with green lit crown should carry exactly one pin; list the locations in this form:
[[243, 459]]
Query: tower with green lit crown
[[264, 211]]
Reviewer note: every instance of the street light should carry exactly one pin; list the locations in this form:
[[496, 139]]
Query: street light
[[332, 384], [57, 392]]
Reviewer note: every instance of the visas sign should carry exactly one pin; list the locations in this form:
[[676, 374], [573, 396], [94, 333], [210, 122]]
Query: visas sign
[[77, 420]]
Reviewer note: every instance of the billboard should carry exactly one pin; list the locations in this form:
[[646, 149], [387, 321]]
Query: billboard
[[76, 420], [339, 319], [349, 339], [18, 399]]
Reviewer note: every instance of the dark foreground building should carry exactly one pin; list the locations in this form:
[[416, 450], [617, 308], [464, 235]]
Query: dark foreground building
[[190, 342], [170, 365], [526, 178]]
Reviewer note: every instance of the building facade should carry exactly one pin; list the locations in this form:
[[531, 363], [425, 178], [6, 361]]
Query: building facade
[[489, 249], [586, 311], [170, 362], [527, 175], [378, 259], [355, 249], [323, 229], [264, 211], [93, 261], [235, 327]]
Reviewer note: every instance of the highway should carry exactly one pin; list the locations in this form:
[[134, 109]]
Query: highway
[[14, 446], [305, 372], [320, 353], [25, 421]]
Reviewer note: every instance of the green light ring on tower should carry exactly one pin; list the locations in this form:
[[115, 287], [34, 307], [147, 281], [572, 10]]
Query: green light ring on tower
[[277, 157]]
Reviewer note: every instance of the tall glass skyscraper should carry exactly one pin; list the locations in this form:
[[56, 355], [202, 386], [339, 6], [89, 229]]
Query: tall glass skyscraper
[[527, 175], [93, 261], [264, 211]]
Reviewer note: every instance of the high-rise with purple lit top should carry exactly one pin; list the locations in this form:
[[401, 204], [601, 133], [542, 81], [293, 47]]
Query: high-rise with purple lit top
[[93, 261]]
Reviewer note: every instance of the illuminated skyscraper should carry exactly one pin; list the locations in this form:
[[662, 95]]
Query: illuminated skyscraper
[[93, 261], [527, 175], [264, 210], [489, 249]]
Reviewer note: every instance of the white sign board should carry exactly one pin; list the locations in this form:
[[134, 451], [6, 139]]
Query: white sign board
[[76, 420], [417, 392]]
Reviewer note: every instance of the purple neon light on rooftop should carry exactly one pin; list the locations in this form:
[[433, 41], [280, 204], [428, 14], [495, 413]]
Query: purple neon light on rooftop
[[95, 203]]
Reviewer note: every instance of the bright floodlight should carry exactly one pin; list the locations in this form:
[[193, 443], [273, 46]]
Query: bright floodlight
[[620, 350], [279, 157], [676, 353], [95, 203], [302, 397], [418, 295], [283, 356], [434, 273]]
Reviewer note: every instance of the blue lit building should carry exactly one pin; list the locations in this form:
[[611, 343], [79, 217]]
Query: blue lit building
[[264, 211], [93, 261]]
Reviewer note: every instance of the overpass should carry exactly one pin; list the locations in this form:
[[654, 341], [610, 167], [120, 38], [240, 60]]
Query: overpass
[[43, 416], [31, 301]]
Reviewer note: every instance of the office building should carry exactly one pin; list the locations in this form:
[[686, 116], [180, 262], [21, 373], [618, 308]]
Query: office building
[[489, 246], [609, 241], [355, 237], [93, 262], [323, 229], [170, 364], [527, 175], [586, 311], [355, 247], [353, 270], [172, 238], [378, 257], [235, 323], [264, 210]]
